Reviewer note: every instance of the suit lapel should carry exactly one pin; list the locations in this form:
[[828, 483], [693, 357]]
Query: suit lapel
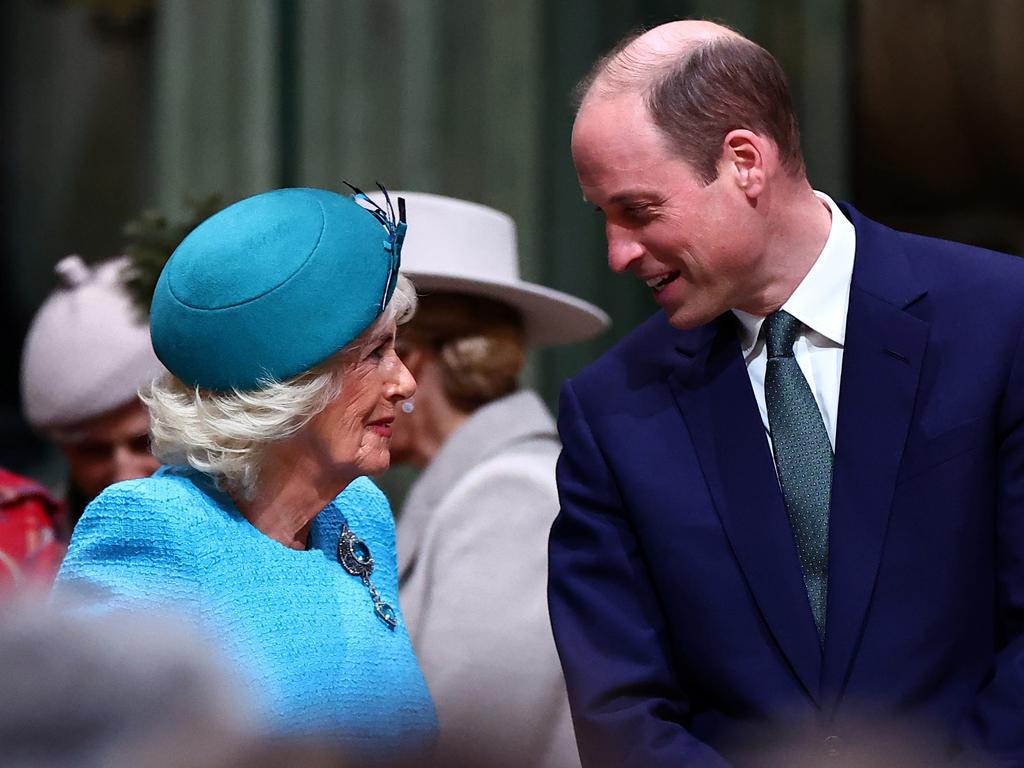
[[882, 358], [713, 391]]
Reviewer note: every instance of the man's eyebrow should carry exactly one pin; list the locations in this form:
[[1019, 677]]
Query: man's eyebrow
[[629, 196], [632, 195]]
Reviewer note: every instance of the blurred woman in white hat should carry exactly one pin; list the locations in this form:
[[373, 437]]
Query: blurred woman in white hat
[[472, 535], [86, 355]]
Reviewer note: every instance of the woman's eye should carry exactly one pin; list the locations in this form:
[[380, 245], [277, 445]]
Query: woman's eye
[[382, 350]]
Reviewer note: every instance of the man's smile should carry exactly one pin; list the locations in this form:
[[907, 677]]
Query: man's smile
[[658, 282]]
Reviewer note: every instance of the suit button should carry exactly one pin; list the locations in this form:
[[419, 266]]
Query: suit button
[[833, 746]]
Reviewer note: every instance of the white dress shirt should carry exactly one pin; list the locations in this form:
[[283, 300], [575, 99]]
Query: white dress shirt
[[820, 302]]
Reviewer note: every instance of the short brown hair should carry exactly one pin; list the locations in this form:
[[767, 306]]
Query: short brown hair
[[479, 345], [714, 87]]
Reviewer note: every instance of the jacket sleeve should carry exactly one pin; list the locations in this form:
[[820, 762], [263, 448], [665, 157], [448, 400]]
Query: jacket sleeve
[[996, 723], [129, 549], [627, 704]]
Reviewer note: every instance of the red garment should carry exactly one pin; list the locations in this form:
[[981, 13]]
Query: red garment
[[32, 533]]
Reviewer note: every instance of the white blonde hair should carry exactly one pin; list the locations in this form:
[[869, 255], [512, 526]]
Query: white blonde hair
[[222, 434]]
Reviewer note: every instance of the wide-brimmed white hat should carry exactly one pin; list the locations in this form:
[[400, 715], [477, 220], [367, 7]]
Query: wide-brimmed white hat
[[454, 245], [87, 351]]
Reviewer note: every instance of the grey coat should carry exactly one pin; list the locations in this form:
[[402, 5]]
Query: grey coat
[[472, 548]]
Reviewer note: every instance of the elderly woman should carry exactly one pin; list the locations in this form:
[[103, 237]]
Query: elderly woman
[[472, 534], [276, 319]]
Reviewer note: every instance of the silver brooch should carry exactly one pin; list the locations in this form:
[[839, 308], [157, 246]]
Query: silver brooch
[[355, 557]]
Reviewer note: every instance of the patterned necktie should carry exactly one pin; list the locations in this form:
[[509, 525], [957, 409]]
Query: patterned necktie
[[803, 457]]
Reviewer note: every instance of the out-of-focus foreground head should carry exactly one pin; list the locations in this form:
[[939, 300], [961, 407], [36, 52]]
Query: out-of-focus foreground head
[[114, 691], [86, 355]]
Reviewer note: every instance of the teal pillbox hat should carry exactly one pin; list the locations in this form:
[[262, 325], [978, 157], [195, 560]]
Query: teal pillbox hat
[[273, 285]]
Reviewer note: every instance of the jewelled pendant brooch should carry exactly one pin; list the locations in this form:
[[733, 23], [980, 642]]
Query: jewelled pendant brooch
[[355, 557]]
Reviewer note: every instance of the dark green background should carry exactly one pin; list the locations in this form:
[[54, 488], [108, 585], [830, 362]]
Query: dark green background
[[112, 106]]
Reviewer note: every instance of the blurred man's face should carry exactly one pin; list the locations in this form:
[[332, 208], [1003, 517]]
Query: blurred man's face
[[694, 245], [110, 448]]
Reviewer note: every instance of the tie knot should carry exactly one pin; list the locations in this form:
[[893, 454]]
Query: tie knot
[[780, 331]]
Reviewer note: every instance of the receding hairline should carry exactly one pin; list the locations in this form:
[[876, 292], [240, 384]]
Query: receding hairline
[[635, 64]]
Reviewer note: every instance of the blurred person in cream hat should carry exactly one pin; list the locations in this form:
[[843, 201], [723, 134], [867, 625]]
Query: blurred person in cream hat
[[86, 355], [472, 535]]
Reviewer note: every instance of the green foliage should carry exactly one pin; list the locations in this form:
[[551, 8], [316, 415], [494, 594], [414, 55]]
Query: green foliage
[[149, 242]]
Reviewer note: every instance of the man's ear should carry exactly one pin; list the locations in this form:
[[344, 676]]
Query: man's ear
[[747, 160]]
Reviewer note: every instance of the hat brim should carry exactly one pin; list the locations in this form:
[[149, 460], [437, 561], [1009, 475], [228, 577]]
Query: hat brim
[[551, 317]]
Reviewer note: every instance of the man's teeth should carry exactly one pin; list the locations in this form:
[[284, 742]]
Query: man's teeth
[[661, 281]]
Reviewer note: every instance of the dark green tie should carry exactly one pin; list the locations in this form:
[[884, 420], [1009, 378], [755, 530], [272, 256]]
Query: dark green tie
[[803, 457]]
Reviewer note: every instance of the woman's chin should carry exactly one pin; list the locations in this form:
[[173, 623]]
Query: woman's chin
[[375, 465]]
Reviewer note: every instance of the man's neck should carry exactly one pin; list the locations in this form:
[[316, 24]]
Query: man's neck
[[801, 223]]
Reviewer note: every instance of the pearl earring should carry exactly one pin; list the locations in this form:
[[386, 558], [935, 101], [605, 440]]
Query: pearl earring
[[408, 406]]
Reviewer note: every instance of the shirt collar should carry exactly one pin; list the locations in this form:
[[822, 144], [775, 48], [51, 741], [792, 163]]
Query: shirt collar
[[822, 299]]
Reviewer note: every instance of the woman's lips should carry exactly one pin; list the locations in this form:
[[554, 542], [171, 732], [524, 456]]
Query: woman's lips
[[382, 427]]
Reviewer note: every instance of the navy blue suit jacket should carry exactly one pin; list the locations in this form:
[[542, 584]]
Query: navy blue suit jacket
[[676, 596]]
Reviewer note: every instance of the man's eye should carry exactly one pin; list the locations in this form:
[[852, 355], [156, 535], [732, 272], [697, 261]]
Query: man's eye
[[637, 210]]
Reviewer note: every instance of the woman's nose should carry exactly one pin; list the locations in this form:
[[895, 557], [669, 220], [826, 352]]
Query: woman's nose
[[405, 383]]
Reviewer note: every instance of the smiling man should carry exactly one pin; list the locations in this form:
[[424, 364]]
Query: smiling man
[[792, 520]]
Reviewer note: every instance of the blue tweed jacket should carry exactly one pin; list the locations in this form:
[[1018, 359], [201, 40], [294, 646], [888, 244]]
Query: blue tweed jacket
[[301, 629]]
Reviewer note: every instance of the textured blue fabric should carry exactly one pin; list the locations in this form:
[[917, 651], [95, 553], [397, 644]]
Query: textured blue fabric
[[271, 286], [301, 630], [803, 457]]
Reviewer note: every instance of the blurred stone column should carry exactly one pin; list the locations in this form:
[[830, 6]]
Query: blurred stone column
[[941, 90], [217, 114], [429, 95]]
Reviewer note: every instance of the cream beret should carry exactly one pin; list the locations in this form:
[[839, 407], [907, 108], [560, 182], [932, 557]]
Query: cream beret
[[87, 351]]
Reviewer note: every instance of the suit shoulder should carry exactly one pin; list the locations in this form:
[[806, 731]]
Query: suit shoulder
[[641, 349], [966, 261], [974, 282]]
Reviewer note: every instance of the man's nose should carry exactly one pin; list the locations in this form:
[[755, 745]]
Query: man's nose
[[623, 249]]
